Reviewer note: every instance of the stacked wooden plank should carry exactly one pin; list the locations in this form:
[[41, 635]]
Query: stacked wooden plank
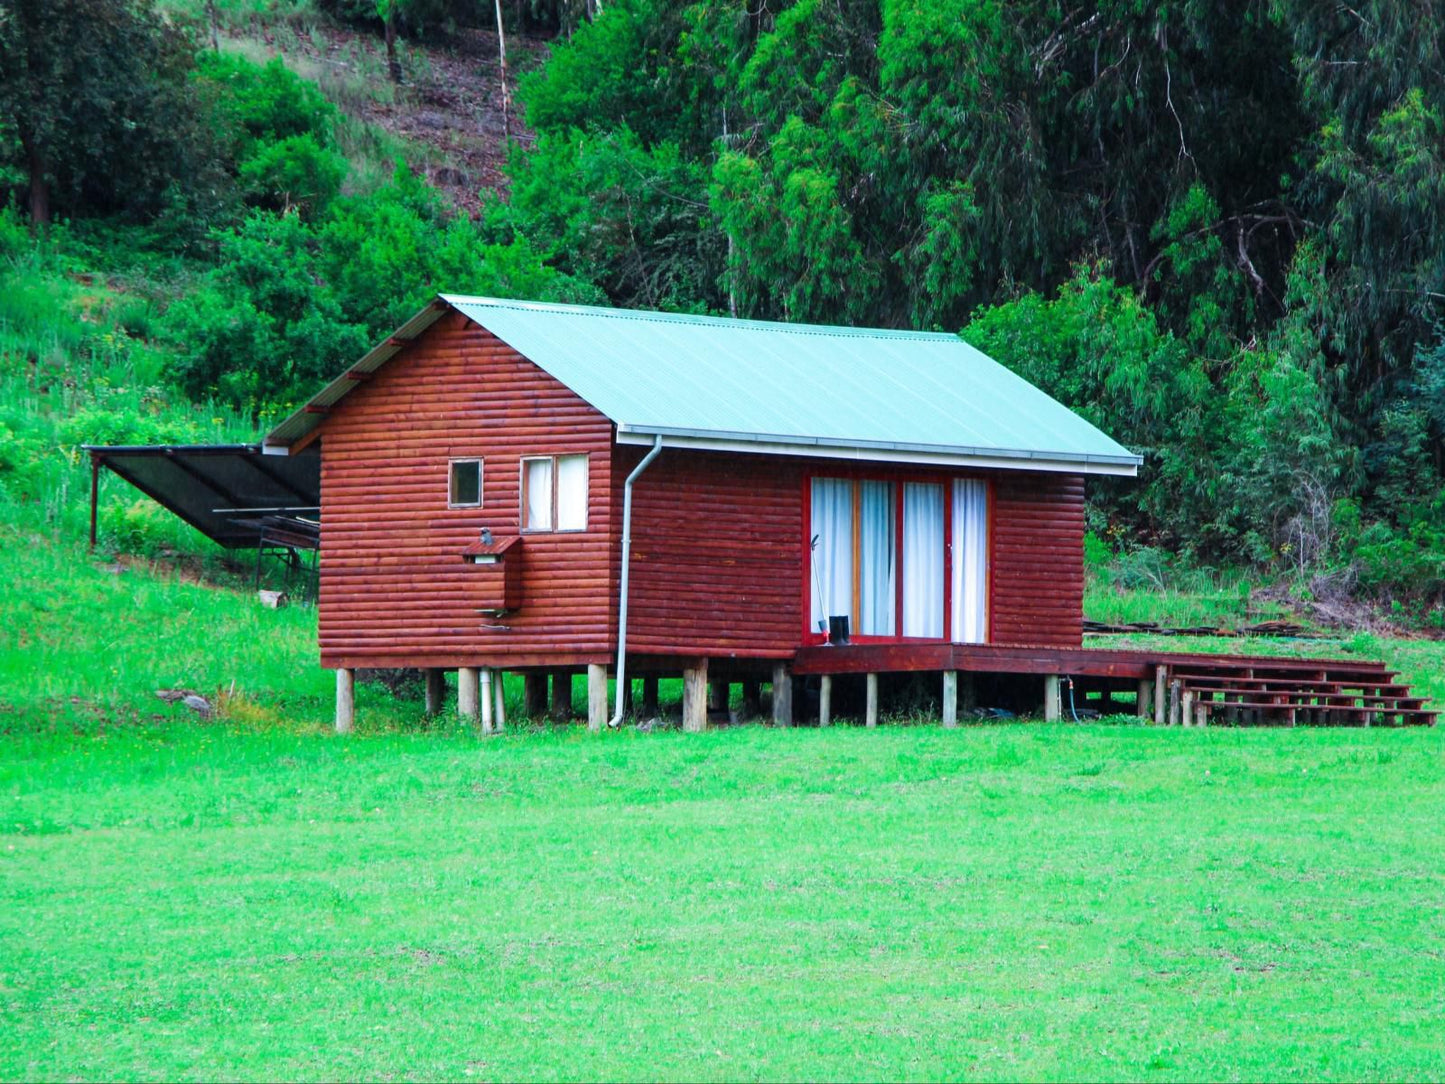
[[1290, 692], [1262, 628]]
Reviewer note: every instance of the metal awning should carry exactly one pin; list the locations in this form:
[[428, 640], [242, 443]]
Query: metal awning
[[228, 492]]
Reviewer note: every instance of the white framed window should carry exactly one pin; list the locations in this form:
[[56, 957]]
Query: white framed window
[[554, 493], [464, 483]]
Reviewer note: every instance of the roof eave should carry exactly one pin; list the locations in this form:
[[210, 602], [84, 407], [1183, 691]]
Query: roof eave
[[1126, 465]]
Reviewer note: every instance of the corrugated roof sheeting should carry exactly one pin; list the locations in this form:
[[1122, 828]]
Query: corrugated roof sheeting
[[213, 486], [781, 384]]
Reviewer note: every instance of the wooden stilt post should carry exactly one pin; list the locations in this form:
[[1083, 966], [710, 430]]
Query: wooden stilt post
[[467, 693], [1161, 698], [1141, 705], [649, 696], [596, 696], [1186, 709], [950, 698], [561, 694], [486, 698], [718, 693], [345, 700], [752, 698], [534, 694], [782, 695], [499, 690], [825, 700], [694, 697], [1053, 703], [436, 684], [870, 716], [967, 692], [1174, 703]]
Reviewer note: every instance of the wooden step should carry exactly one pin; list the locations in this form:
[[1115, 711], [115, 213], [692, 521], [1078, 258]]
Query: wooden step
[[1379, 716], [1373, 688], [1303, 698], [1266, 673]]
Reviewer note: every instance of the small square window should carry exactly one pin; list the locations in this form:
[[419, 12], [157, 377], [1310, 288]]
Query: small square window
[[466, 484]]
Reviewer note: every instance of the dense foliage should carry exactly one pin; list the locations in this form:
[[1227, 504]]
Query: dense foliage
[[1216, 230]]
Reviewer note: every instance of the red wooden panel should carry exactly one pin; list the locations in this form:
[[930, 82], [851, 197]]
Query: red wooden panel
[[395, 589], [715, 553], [1036, 594]]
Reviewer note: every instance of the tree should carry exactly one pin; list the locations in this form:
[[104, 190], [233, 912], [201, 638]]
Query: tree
[[387, 10], [85, 84]]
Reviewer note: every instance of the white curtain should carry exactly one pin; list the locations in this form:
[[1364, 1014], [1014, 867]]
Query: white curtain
[[571, 493], [970, 561], [923, 560], [876, 583], [539, 494], [832, 558]]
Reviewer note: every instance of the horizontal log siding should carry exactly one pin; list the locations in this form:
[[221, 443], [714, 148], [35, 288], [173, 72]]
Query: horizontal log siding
[[1037, 590], [394, 588], [716, 554]]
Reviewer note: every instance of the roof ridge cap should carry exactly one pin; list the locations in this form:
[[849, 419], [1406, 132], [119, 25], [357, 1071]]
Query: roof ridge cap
[[734, 322]]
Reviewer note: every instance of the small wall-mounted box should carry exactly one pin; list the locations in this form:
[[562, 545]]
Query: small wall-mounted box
[[499, 562]]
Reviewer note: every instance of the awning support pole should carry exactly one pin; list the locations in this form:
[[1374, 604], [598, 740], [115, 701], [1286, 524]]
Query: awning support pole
[[626, 568], [94, 494]]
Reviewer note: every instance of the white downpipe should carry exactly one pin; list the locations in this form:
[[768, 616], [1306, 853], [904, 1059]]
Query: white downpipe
[[626, 568]]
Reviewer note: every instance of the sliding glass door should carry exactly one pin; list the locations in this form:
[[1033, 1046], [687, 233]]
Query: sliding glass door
[[899, 559], [852, 555], [923, 553], [969, 619]]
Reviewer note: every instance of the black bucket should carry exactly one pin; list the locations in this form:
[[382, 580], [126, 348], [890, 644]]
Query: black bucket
[[838, 629]]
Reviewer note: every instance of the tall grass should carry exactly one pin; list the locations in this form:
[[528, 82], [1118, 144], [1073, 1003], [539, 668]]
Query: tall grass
[[78, 366]]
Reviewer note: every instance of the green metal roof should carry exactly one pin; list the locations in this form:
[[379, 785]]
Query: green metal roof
[[786, 388]]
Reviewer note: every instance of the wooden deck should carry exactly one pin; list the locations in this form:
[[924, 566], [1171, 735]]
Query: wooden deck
[[1171, 687]]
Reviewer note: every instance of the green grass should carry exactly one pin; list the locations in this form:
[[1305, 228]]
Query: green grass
[[903, 903], [255, 897]]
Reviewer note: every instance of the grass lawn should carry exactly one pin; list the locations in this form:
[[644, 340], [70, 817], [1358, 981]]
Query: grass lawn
[[256, 897]]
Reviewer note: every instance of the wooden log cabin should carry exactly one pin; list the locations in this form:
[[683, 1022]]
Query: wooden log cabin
[[558, 490]]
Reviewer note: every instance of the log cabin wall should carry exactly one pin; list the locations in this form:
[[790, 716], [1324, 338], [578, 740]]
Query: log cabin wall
[[717, 557], [394, 588], [716, 554], [1036, 589]]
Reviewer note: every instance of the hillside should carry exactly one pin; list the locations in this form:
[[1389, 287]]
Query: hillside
[[448, 113], [1217, 239]]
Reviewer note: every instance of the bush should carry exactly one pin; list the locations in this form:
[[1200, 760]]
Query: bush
[[266, 103], [295, 173], [19, 465], [263, 327]]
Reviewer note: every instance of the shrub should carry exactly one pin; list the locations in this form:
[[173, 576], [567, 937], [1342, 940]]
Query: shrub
[[266, 103], [263, 327], [294, 173]]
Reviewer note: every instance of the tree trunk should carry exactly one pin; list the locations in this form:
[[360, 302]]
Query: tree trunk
[[211, 16], [506, 95], [393, 65], [39, 185]]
